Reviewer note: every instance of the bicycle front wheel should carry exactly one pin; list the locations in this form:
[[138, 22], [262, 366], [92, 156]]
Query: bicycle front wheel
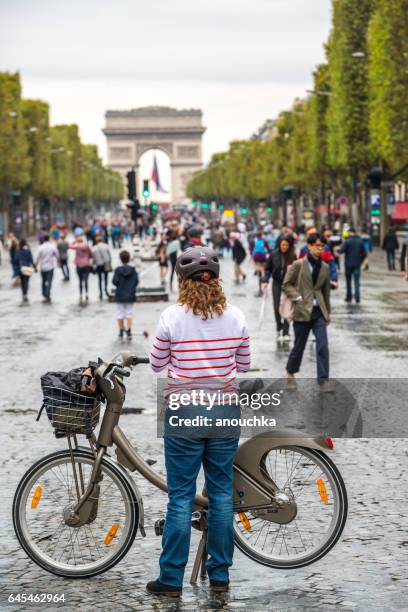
[[313, 481], [47, 489]]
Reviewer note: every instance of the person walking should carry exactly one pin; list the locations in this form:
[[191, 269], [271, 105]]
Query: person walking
[[25, 263], [354, 255], [217, 239], [276, 267], [260, 254], [307, 285], [103, 264], [172, 249], [116, 235], [125, 279], [12, 245], [218, 340], [238, 256], [390, 245], [63, 247], [47, 258], [83, 261], [163, 261]]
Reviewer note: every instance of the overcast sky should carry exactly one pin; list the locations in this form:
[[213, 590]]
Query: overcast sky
[[240, 61]]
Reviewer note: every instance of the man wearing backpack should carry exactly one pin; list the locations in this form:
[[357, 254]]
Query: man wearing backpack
[[354, 255]]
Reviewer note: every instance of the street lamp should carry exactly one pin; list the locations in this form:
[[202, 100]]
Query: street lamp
[[358, 54]]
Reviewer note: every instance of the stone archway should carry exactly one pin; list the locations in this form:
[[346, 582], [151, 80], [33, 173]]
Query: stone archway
[[178, 133]]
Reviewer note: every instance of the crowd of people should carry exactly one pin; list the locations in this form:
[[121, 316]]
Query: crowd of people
[[273, 251]]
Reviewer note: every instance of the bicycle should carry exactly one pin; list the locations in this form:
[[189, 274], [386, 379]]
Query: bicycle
[[76, 512]]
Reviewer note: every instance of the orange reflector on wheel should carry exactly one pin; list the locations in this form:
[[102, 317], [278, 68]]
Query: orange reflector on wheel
[[112, 532], [322, 491], [36, 497], [245, 521]]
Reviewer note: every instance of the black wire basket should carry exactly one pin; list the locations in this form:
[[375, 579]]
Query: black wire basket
[[71, 412]]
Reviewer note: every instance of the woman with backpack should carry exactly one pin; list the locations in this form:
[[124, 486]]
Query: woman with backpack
[[276, 267], [201, 338]]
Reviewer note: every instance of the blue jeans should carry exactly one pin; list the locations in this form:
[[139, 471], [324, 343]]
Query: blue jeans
[[46, 283], [391, 260], [353, 273], [302, 329], [184, 457]]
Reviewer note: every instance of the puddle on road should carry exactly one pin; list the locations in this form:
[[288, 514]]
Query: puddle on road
[[375, 331], [378, 342]]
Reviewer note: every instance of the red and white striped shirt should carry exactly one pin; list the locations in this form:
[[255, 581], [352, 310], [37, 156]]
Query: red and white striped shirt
[[201, 351]]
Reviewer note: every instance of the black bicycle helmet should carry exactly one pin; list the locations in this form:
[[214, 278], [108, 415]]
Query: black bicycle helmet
[[198, 263]]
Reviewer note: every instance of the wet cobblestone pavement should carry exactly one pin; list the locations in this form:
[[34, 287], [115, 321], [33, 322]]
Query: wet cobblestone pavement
[[367, 569]]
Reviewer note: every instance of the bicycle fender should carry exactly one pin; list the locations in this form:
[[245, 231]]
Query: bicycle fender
[[252, 488]]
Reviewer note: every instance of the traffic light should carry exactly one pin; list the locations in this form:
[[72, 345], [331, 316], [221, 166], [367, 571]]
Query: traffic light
[[269, 210], [146, 190], [375, 205], [131, 185], [204, 205], [154, 206], [374, 177], [134, 209], [220, 206], [244, 211]]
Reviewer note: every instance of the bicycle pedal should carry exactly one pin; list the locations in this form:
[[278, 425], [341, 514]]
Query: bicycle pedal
[[159, 527]]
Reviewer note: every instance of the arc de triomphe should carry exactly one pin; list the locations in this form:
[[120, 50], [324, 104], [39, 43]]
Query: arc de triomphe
[[176, 132]]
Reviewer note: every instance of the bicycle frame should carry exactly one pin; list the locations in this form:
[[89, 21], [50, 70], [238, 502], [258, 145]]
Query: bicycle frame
[[252, 487]]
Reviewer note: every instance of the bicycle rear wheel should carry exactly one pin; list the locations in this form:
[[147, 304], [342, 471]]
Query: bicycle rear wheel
[[47, 488], [313, 481]]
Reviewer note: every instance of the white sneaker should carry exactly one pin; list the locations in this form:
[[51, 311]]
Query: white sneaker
[[280, 337], [286, 338]]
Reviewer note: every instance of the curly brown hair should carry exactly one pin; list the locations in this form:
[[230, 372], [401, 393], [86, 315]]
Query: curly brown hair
[[204, 298]]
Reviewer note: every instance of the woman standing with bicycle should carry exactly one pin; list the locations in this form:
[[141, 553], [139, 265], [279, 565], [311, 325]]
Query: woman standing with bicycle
[[201, 338]]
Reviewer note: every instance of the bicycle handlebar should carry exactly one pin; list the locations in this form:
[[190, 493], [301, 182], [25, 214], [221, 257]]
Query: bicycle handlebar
[[137, 360], [125, 359]]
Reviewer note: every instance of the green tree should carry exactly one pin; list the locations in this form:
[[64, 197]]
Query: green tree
[[36, 122], [388, 82], [14, 161], [348, 130]]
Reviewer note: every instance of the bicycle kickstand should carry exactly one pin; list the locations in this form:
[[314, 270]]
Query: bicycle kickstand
[[200, 559]]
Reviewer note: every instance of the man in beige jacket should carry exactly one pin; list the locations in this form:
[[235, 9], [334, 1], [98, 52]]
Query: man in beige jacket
[[307, 284]]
